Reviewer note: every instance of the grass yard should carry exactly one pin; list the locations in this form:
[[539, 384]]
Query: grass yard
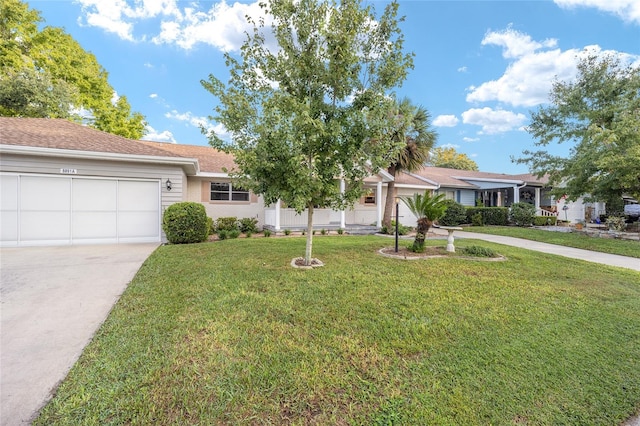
[[229, 333], [570, 239]]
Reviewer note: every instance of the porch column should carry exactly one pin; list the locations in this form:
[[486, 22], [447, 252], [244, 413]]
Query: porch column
[[516, 194], [379, 204], [278, 215], [499, 200], [343, 221], [537, 200]]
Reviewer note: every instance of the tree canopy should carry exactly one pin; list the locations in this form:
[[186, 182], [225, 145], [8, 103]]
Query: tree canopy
[[599, 113], [409, 127], [313, 110], [46, 73], [449, 158]]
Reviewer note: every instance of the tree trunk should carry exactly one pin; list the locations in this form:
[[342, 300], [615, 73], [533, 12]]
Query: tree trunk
[[307, 252], [390, 200], [421, 232]]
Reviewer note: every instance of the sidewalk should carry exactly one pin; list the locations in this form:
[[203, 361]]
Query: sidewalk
[[574, 253]]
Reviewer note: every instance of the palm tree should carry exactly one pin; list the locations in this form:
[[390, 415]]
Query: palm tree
[[413, 127], [427, 208]]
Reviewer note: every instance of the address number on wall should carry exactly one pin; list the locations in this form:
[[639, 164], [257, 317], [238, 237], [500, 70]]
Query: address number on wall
[[69, 171]]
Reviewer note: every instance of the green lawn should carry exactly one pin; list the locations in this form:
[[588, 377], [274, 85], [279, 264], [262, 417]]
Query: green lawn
[[569, 239], [229, 333]]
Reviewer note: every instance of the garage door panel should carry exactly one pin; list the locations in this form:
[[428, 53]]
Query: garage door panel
[[41, 193], [138, 196], [95, 195], [95, 225], [48, 226], [9, 192], [138, 224], [8, 209], [8, 227]]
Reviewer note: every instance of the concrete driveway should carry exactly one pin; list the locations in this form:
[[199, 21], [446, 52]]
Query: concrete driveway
[[53, 300]]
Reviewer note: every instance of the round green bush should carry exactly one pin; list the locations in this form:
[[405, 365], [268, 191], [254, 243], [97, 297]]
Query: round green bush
[[185, 223], [455, 214], [522, 214]]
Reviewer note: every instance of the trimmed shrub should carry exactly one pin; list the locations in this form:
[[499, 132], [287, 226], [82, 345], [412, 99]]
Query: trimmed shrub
[[266, 233], [212, 227], [479, 251], [455, 214], [235, 233], [185, 223], [287, 232], [490, 215], [522, 214], [545, 220], [340, 231], [223, 234], [402, 230], [476, 220], [248, 224], [226, 224]]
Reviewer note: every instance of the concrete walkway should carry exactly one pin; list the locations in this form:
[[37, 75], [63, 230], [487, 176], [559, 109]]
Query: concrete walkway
[[574, 253], [53, 300]]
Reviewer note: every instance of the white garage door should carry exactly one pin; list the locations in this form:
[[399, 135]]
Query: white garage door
[[38, 210]]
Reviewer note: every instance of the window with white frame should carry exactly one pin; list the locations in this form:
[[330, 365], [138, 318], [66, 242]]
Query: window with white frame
[[225, 191]]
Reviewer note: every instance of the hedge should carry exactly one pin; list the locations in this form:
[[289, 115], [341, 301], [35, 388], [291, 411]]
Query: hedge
[[490, 215]]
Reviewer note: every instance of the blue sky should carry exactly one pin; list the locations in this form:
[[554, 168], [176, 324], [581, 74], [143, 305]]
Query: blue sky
[[481, 66]]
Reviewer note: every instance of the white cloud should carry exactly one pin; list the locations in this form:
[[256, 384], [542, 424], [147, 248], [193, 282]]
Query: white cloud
[[533, 67], [184, 24], [154, 135], [153, 95], [528, 81], [449, 145], [514, 43], [119, 17], [115, 98], [222, 26], [494, 121], [445, 121], [462, 69], [627, 10], [468, 139], [199, 122]]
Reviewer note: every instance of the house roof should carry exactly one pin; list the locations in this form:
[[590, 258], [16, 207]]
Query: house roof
[[454, 178], [210, 159], [57, 133]]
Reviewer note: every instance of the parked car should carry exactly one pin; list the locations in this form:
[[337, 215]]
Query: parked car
[[632, 211]]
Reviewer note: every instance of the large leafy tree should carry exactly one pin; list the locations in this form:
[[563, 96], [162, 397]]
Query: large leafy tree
[[599, 113], [46, 73], [312, 110], [450, 158], [410, 127]]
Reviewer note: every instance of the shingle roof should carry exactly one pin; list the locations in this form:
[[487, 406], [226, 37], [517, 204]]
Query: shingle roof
[[464, 178], [210, 159], [62, 134]]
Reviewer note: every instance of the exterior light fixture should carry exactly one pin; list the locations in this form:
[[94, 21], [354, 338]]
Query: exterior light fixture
[[169, 185]]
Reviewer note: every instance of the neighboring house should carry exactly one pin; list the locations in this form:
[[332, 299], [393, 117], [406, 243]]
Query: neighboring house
[[472, 188], [64, 183]]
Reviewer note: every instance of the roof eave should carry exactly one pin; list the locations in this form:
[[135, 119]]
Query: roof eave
[[189, 165]]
